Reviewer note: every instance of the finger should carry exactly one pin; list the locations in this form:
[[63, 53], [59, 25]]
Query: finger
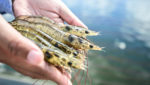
[[56, 75], [24, 10], [17, 45], [51, 15], [64, 81], [68, 75], [19, 12], [27, 69], [69, 17], [58, 20]]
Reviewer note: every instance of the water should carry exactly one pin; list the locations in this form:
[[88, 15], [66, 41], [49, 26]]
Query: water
[[125, 32], [11, 82]]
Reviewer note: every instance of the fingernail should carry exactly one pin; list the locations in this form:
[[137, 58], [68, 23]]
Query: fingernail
[[34, 57]]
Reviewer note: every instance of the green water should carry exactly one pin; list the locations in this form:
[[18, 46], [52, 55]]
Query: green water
[[125, 34]]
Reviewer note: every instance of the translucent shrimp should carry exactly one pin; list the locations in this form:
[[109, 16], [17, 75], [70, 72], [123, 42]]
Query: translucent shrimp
[[61, 46], [53, 55], [76, 30], [66, 38]]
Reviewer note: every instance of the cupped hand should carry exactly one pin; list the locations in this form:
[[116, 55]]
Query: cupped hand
[[25, 57], [27, 51]]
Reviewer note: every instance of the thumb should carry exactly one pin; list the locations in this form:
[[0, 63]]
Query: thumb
[[17, 45], [26, 49], [69, 17]]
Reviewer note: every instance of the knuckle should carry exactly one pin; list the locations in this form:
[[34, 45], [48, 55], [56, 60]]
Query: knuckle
[[71, 21], [12, 47], [15, 47], [34, 77]]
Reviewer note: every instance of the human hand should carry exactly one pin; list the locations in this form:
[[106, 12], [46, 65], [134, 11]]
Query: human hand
[[25, 57], [54, 9]]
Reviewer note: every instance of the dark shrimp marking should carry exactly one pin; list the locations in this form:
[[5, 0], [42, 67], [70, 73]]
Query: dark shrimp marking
[[70, 63], [70, 38], [56, 44], [75, 53], [56, 55], [48, 55], [80, 40], [63, 59]]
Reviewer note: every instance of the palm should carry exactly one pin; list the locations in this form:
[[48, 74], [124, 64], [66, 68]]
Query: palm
[[48, 8]]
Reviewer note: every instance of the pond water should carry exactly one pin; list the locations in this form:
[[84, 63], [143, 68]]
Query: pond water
[[125, 33]]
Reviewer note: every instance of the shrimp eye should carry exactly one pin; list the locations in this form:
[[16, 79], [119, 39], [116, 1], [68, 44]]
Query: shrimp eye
[[91, 46], [87, 32], [68, 28], [48, 55], [70, 63]]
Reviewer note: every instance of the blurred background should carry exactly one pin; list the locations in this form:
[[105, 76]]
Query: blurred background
[[125, 33]]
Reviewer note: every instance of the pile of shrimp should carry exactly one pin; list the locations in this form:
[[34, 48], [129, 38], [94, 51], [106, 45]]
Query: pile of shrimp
[[63, 45]]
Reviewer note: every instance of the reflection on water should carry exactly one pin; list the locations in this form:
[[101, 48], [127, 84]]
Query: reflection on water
[[125, 28], [138, 21]]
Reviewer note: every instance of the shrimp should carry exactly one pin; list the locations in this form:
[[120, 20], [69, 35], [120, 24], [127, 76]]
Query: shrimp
[[48, 38], [76, 30], [53, 55], [64, 37], [63, 45]]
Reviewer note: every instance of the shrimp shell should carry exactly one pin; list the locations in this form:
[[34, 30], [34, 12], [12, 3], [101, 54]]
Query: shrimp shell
[[53, 55], [66, 38], [56, 43], [76, 30]]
